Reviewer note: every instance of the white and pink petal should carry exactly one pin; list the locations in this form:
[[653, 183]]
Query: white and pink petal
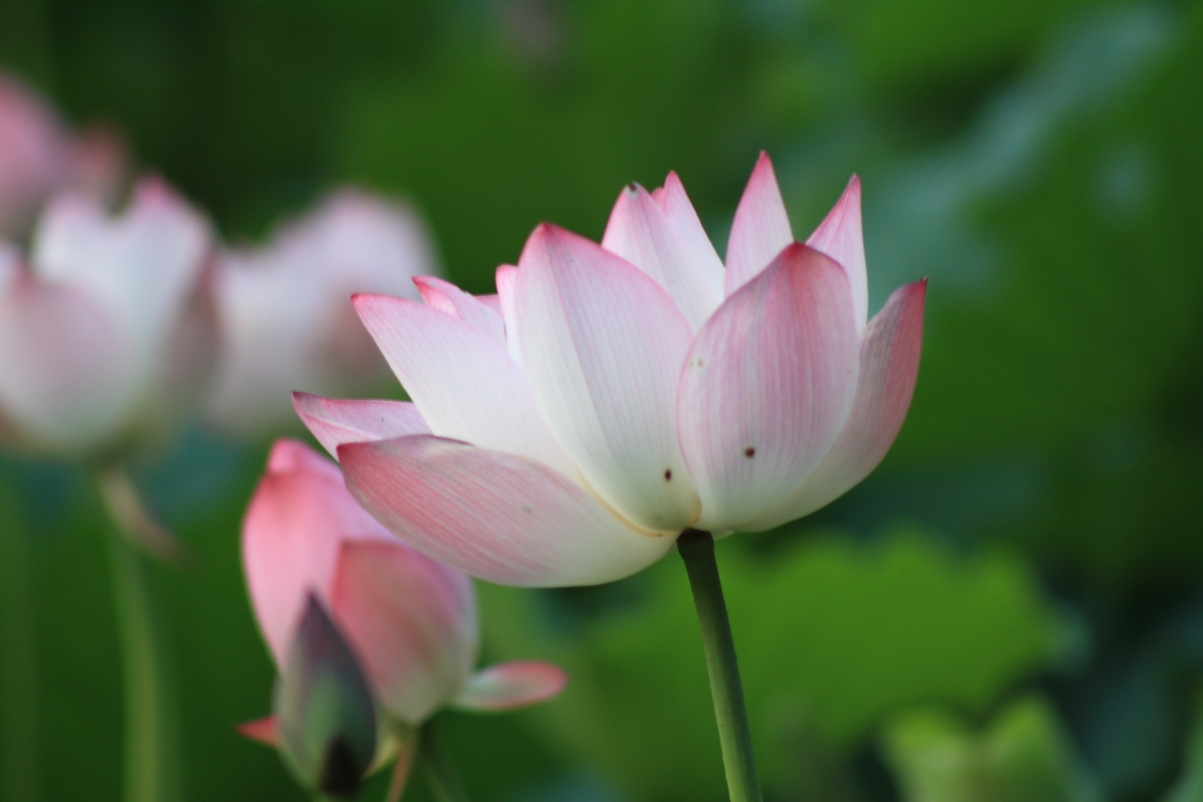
[[507, 686], [767, 387], [334, 422], [451, 299], [640, 232], [840, 237], [760, 230], [464, 384], [889, 366], [602, 345], [500, 517]]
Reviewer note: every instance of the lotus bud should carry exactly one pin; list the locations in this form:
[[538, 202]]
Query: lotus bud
[[410, 621], [324, 711]]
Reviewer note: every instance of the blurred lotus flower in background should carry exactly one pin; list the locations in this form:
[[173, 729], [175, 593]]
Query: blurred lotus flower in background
[[108, 329], [409, 621], [287, 320], [609, 397], [39, 157]]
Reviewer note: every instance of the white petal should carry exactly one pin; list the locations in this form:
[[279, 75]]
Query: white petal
[[760, 230], [640, 232], [445, 296], [506, 276], [462, 381], [603, 346]]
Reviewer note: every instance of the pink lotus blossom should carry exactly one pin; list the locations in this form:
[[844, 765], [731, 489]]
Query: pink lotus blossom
[[566, 430], [287, 319], [410, 620], [39, 157], [108, 331]]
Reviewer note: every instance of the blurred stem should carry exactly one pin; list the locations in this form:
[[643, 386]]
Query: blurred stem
[[436, 764], [697, 550], [151, 751]]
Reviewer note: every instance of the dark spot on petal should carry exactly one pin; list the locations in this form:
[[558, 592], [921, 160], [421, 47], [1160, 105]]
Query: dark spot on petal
[[668, 474], [526, 508], [631, 187], [749, 452]]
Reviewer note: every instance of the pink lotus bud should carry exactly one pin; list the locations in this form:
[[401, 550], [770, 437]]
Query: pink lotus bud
[[108, 333], [287, 319], [39, 157], [410, 620], [610, 396]]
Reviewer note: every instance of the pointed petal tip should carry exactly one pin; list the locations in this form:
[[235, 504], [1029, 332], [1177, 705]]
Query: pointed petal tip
[[508, 686], [288, 454], [265, 730]]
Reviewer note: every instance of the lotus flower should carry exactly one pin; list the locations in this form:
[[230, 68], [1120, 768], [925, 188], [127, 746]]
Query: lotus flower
[[39, 156], [410, 621], [287, 320], [108, 332], [610, 397]]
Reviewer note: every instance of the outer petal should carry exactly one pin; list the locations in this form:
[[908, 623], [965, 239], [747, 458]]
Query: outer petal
[[463, 383], [300, 513], [603, 347], [499, 517], [760, 229], [641, 232], [412, 621], [451, 299], [840, 237], [334, 422], [510, 685], [65, 371], [264, 730], [767, 387], [889, 365]]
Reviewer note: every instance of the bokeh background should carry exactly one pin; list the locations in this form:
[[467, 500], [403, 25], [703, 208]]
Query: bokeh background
[[1010, 608]]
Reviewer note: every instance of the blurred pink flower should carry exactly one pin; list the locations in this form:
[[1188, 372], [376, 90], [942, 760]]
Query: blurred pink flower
[[410, 620], [39, 157], [108, 333], [611, 396], [287, 319]]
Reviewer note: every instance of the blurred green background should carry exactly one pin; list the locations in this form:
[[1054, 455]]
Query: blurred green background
[[1010, 608]]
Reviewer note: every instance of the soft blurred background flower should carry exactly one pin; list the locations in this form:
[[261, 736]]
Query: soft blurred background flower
[[1033, 534]]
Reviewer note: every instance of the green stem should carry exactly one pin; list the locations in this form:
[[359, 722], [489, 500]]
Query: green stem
[[151, 753], [436, 764], [697, 550]]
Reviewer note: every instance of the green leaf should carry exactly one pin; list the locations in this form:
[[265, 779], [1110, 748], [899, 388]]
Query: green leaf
[[831, 636], [1024, 756]]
